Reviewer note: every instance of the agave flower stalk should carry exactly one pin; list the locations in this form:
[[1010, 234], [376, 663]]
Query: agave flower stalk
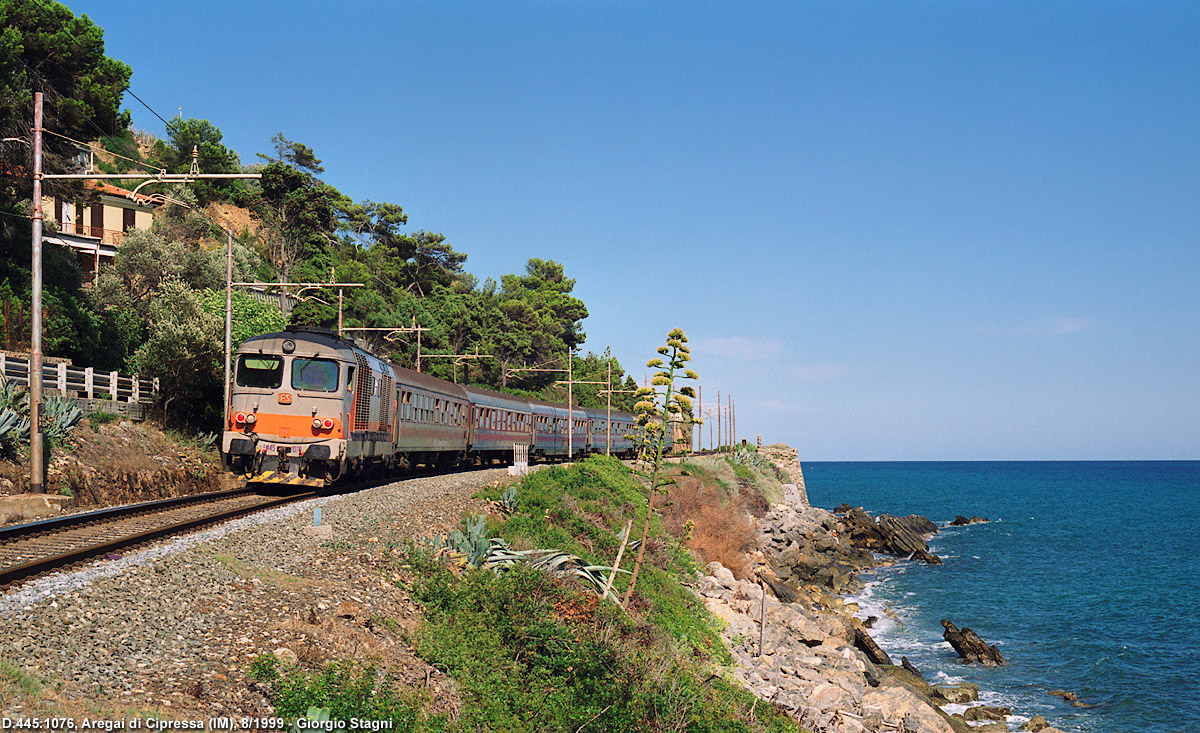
[[657, 410]]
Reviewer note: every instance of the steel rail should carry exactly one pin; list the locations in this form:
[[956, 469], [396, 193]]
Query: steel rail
[[15, 573], [56, 524]]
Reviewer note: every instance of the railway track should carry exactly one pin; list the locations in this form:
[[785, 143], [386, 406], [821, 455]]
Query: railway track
[[28, 550]]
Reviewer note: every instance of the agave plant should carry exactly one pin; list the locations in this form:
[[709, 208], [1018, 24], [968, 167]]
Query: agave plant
[[59, 417], [556, 562], [13, 396], [508, 502], [471, 540], [14, 430]]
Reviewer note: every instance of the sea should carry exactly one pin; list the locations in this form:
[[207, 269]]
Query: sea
[[1085, 577]]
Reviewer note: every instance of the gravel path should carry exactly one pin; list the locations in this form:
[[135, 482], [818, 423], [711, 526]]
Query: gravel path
[[172, 629]]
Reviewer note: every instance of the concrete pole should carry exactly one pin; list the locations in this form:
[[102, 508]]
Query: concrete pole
[[720, 435], [700, 414], [227, 391], [37, 463], [340, 290]]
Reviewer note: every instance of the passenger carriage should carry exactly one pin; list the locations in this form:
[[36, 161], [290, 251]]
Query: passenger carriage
[[498, 422]]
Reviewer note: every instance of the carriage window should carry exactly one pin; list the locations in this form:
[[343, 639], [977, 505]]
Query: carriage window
[[319, 375], [260, 371]]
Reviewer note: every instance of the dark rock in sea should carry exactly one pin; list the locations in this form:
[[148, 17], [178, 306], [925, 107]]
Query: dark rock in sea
[[911, 667], [969, 646], [903, 536], [867, 645], [1068, 696], [960, 520]]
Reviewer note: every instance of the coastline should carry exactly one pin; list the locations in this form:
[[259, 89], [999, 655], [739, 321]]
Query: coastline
[[817, 658]]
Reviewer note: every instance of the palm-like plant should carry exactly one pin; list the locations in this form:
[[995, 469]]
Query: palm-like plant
[[657, 410]]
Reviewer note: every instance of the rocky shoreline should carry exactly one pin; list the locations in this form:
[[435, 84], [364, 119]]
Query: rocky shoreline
[[798, 644]]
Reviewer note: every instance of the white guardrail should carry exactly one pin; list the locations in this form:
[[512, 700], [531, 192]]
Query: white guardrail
[[84, 383]]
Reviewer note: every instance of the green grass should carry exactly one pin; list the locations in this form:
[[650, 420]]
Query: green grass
[[348, 691], [96, 419], [13, 678]]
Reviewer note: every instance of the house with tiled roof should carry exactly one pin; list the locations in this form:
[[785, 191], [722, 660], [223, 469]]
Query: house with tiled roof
[[94, 231]]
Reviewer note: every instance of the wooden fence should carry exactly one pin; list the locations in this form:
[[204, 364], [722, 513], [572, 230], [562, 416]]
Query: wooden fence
[[96, 391]]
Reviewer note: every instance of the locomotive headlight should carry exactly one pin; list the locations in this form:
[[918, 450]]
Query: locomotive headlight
[[289, 346], [251, 419], [316, 423], [239, 418]]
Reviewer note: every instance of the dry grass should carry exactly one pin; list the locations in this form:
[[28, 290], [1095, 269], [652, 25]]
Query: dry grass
[[722, 529]]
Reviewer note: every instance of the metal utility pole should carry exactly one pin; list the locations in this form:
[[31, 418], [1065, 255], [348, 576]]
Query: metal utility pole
[[609, 393], [228, 389], [570, 395], [36, 447], [37, 467], [720, 435], [729, 422]]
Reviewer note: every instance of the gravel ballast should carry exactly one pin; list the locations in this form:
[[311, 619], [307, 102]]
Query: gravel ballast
[[173, 629]]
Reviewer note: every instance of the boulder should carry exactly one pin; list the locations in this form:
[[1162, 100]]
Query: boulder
[[969, 646], [914, 683], [986, 712], [959, 693], [287, 657], [892, 702], [1035, 724]]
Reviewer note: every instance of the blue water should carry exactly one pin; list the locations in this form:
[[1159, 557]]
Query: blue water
[[1086, 579]]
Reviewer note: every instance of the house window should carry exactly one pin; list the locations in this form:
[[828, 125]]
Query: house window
[[127, 219], [97, 220]]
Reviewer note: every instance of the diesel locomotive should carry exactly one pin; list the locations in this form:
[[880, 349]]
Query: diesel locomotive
[[308, 408]]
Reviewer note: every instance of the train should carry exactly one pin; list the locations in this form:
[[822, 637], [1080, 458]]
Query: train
[[310, 408]]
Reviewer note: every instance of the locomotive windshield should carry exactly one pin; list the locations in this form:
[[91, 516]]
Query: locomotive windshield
[[315, 374], [260, 371]]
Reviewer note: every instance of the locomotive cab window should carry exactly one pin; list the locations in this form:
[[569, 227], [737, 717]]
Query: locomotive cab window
[[265, 372], [317, 375]]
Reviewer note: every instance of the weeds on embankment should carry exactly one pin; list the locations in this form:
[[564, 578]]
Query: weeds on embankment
[[530, 651]]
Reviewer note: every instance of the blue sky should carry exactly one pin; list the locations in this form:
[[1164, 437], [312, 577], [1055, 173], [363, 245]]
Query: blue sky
[[910, 230]]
